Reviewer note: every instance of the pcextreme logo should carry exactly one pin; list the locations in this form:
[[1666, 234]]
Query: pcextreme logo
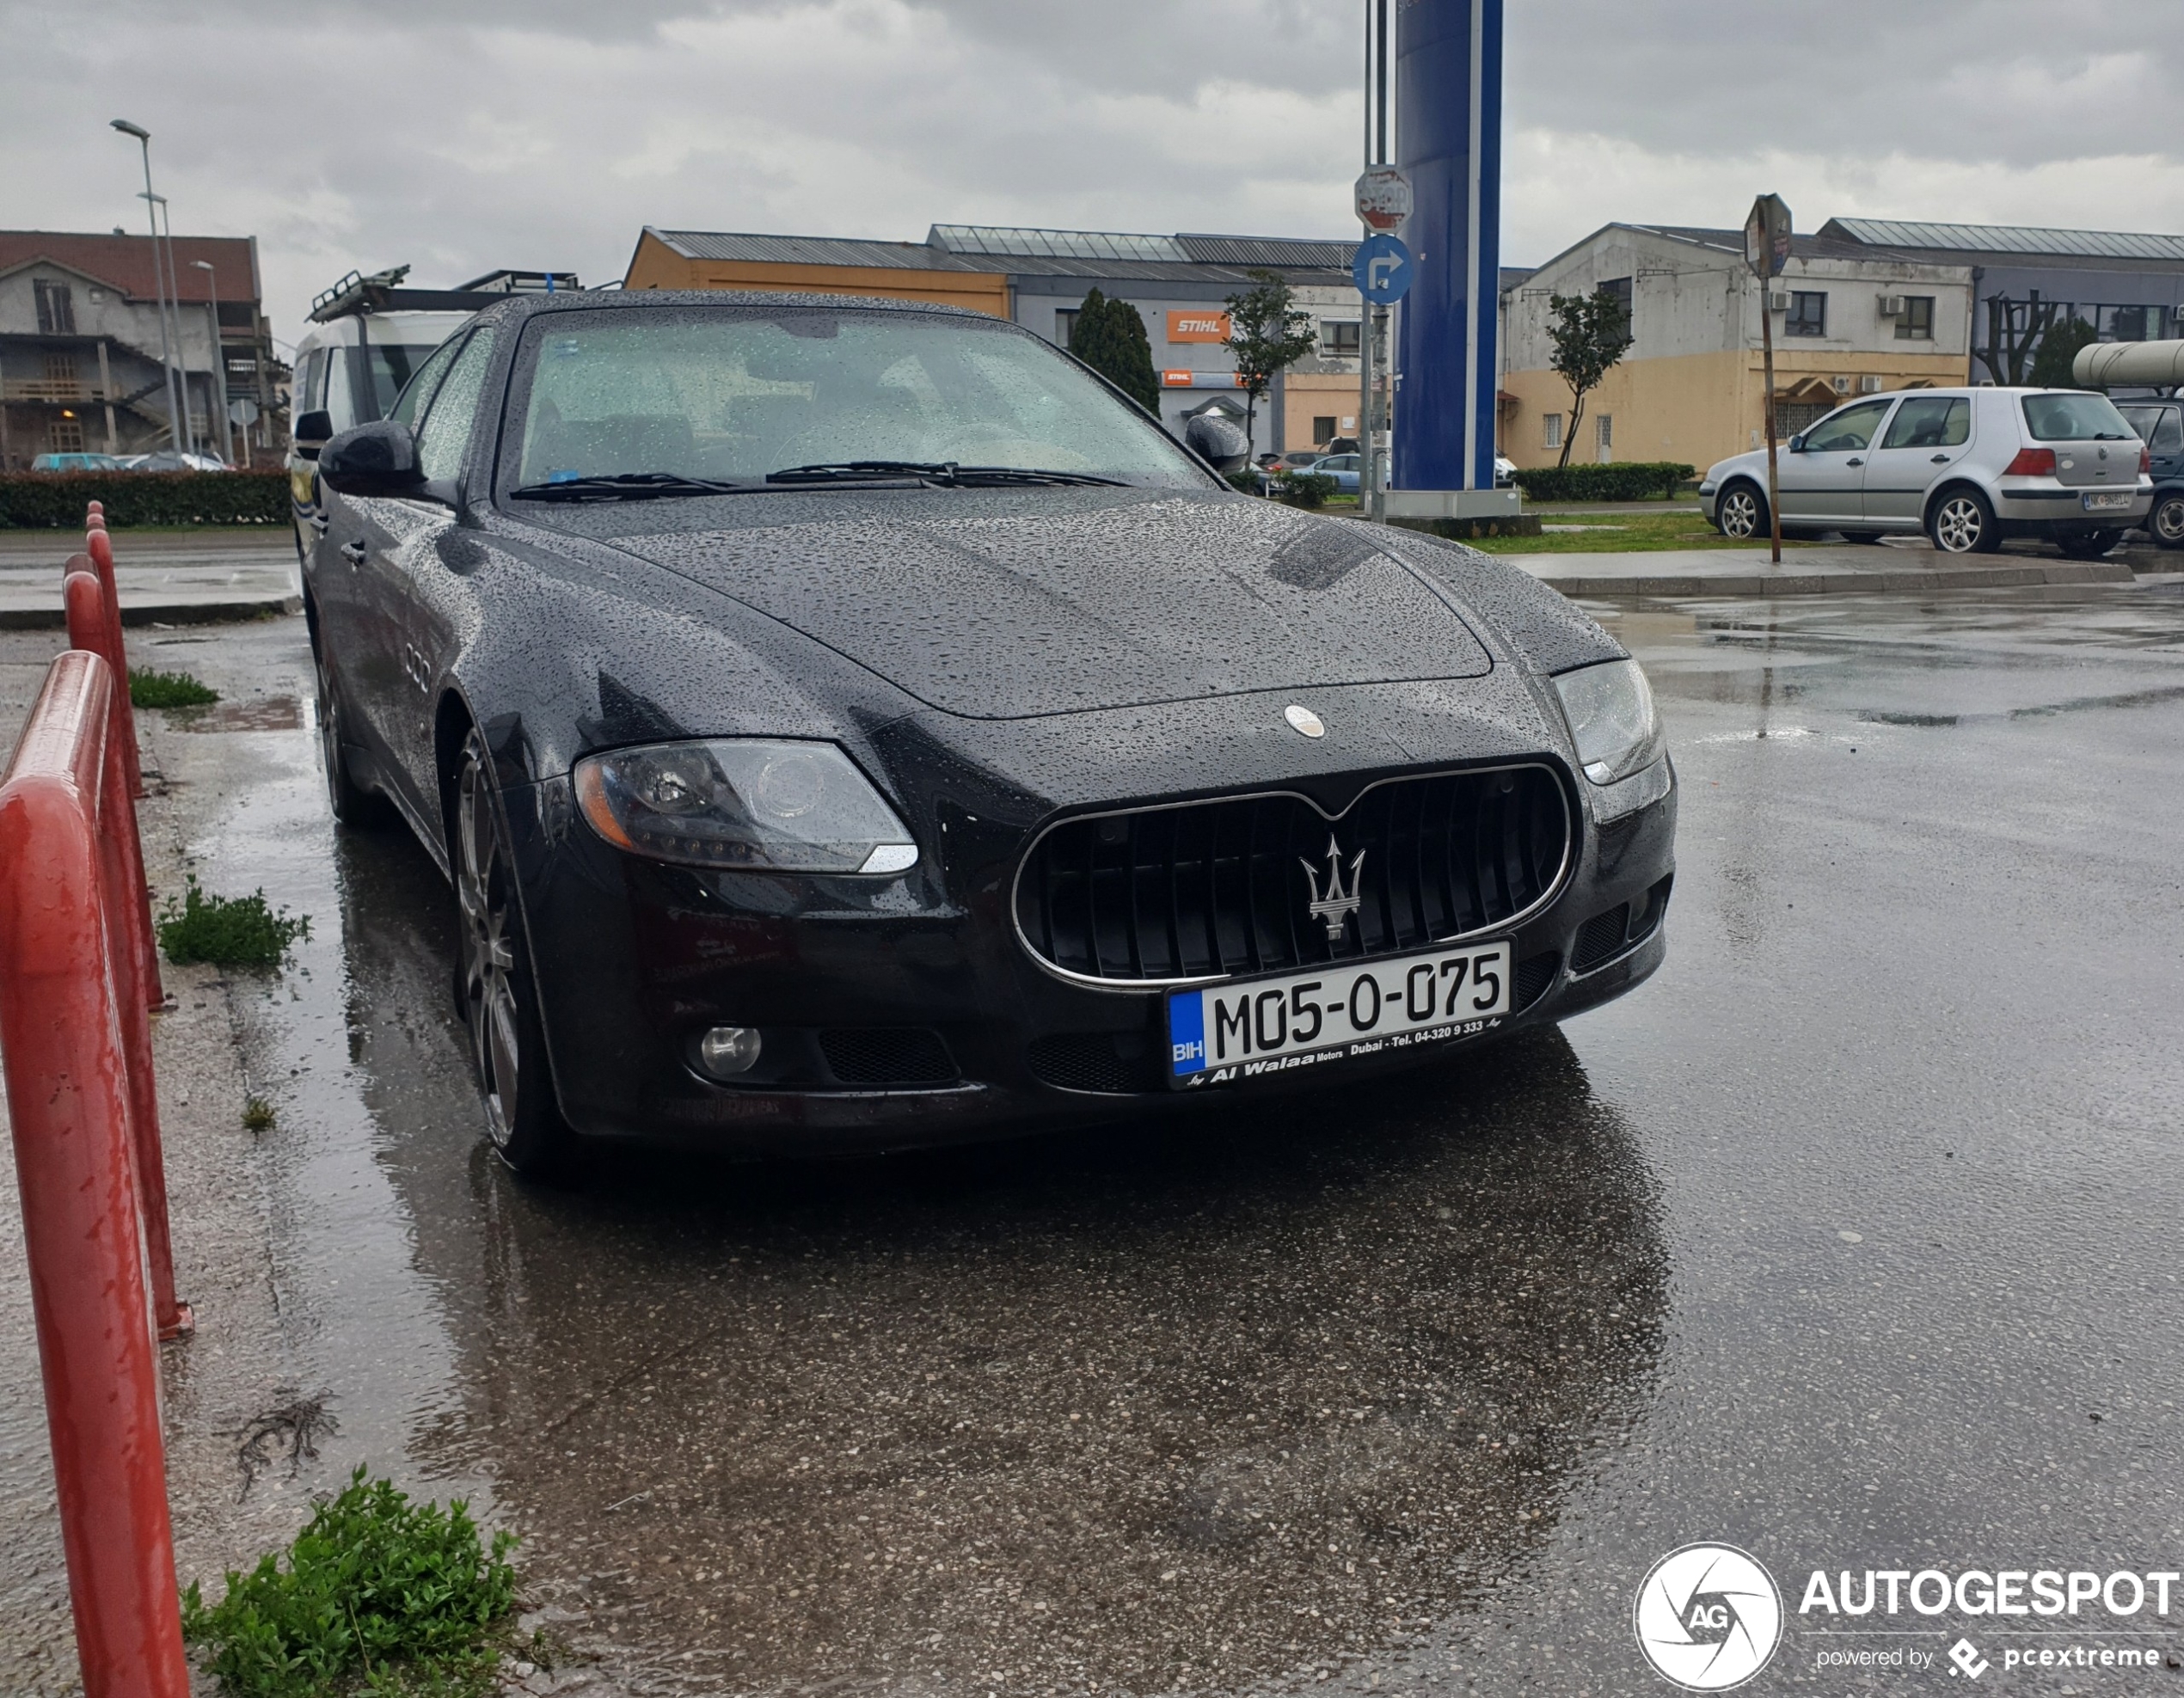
[[1708, 1617]]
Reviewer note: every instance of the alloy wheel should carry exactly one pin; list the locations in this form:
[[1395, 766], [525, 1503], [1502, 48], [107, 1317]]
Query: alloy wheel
[[485, 899], [2167, 522], [1958, 526], [330, 726], [1739, 513]]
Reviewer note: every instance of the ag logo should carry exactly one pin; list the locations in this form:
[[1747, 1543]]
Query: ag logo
[[1708, 1617]]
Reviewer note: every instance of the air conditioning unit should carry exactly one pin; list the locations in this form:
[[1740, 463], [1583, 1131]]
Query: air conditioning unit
[[1892, 306], [1778, 300], [1842, 385], [1868, 386]]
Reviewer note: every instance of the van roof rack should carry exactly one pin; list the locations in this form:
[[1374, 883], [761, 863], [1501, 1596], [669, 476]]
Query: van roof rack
[[358, 295]]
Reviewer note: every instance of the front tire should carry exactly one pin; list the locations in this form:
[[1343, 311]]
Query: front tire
[[354, 806], [2166, 522], [494, 984], [1741, 513], [1963, 523]]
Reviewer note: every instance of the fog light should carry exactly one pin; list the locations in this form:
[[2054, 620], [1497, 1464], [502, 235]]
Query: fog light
[[726, 1051]]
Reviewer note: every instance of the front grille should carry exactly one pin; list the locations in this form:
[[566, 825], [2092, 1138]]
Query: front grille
[[1214, 888], [886, 1055], [1116, 1062]]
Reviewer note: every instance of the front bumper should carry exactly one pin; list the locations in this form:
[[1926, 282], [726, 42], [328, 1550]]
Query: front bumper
[[633, 959]]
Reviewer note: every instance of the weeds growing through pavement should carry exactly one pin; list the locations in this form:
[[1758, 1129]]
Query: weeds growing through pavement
[[257, 1115], [149, 688], [378, 1595], [238, 931]]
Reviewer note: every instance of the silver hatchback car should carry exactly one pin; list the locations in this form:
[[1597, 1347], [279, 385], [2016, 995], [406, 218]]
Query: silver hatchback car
[[1968, 467]]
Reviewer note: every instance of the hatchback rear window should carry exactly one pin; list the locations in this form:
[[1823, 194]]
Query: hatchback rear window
[[2074, 418]]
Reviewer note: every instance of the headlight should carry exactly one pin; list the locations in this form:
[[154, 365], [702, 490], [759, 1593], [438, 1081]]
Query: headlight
[[780, 807], [1609, 709]]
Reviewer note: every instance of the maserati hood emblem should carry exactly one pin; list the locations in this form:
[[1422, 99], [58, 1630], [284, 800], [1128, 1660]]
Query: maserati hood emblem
[[1336, 904], [1303, 719]]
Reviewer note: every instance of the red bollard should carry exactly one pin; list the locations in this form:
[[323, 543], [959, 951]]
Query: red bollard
[[88, 627], [68, 1094], [135, 954], [100, 547]]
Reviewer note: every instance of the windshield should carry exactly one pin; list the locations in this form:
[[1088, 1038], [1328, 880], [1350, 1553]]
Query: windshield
[[738, 393], [2073, 418], [392, 364]]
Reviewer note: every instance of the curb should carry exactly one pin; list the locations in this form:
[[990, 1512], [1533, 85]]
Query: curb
[[158, 613], [1788, 583]]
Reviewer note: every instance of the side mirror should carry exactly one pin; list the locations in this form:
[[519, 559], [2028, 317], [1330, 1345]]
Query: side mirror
[[1219, 442], [379, 458], [1796, 443], [309, 433]]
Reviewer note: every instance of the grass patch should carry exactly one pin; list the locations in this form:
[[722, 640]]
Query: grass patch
[[378, 1595], [1622, 533], [238, 931], [148, 689], [257, 1115]]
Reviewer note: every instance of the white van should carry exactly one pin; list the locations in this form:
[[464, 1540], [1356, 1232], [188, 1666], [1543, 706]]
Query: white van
[[348, 372]]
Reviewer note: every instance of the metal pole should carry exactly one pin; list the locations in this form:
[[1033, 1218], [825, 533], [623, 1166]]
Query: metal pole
[[1767, 341], [175, 423], [219, 397], [175, 305]]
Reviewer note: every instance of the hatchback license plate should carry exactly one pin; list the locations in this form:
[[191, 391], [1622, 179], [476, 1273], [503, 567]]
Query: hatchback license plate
[[2107, 500], [1228, 1032]]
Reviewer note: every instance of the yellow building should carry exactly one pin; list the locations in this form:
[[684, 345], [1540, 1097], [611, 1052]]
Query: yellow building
[[1848, 320]]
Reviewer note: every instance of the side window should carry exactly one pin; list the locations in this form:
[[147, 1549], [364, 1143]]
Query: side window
[[2169, 435], [1848, 430], [1944, 421], [446, 430], [419, 389], [341, 406]]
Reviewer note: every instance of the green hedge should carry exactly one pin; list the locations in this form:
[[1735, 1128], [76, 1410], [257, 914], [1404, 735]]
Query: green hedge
[[1633, 481], [56, 501]]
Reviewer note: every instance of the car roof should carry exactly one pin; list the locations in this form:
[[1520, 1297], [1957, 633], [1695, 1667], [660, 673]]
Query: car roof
[[414, 328]]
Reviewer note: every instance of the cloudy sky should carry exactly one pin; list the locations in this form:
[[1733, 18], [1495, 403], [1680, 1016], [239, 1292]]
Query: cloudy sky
[[462, 135]]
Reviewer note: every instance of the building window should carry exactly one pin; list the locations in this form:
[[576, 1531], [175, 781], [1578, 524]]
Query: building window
[[1795, 417], [1338, 338], [1916, 322], [1808, 315], [1550, 430], [56, 309], [64, 436], [1065, 324], [1603, 431], [1323, 429], [2125, 324]]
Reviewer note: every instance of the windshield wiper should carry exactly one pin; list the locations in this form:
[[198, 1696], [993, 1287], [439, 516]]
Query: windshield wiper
[[625, 487], [944, 473]]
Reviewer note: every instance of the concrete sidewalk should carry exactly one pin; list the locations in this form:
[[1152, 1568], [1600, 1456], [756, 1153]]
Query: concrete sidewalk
[[165, 578], [1846, 569]]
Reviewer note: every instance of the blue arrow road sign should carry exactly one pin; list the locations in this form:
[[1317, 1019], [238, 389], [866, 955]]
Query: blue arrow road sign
[[1383, 270]]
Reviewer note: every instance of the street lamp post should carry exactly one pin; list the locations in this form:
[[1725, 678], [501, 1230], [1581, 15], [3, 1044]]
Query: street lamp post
[[219, 398], [177, 412]]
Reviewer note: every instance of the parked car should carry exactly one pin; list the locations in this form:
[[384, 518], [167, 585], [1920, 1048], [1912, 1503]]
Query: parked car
[[76, 462], [2160, 425], [176, 460], [1505, 472], [1968, 467], [1299, 459], [1342, 467], [851, 724], [349, 371]]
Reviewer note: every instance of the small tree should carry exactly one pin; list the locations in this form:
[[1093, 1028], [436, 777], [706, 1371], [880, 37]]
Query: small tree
[[1267, 334], [1110, 338], [2059, 348], [1590, 333], [2016, 330]]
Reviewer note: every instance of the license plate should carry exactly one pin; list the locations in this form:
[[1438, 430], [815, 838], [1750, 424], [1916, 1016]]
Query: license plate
[[2107, 500], [1230, 1031]]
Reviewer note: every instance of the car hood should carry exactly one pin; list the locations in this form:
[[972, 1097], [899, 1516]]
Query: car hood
[[1013, 606]]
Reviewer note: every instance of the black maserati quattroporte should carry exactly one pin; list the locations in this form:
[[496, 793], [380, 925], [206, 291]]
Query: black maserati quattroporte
[[848, 724]]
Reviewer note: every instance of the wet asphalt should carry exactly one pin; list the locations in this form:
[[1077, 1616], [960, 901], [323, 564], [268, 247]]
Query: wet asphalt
[[1851, 1240]]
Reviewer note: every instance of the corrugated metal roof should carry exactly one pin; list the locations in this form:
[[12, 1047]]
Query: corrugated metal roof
[[1289, 252], [2087, 244], [809, 250], [1060, 244]]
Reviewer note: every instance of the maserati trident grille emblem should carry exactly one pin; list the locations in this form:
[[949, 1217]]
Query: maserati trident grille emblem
[[1337, 904]]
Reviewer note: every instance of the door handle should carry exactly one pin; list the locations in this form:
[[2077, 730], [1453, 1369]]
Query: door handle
[[1941, 459], [353, 553], [1854, 462], [321, 524]]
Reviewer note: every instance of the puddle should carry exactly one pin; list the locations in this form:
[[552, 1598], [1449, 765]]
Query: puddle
[[268, 713]]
